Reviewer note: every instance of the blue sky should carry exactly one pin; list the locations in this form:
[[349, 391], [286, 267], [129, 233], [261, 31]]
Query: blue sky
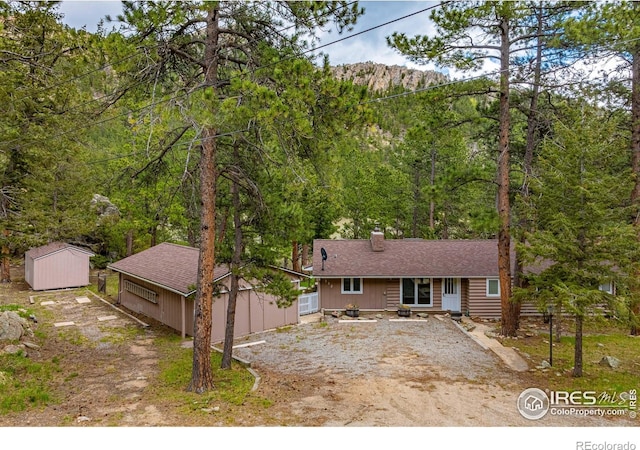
[[370, 46]]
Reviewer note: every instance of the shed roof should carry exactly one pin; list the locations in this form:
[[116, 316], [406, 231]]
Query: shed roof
[[406, 258], [171, 266], [53, 247]]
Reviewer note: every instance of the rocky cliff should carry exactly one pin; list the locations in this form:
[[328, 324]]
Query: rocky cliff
[[379, 77]]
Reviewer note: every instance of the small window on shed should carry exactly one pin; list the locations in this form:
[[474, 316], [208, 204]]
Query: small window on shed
[[140, 291]]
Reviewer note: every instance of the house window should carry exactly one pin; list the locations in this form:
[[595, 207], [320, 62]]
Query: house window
[[416, 291], [140, 291], [493, 287], [607, 287], [352, 286]]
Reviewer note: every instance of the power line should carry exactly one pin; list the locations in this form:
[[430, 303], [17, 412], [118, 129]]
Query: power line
[[143, 51]]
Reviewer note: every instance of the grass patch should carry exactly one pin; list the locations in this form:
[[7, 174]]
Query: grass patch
[[111, 288], [74, 336], [20, 310], [121, 335], [232, 387], [598, 341], [24, 383]]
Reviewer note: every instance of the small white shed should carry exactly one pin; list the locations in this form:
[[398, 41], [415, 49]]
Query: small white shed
[[56, 266]]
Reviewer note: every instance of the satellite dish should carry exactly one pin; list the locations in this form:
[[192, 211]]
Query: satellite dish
[[323, 252]]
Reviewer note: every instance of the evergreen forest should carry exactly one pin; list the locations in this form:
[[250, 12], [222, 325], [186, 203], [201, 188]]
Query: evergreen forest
[[211, 125]]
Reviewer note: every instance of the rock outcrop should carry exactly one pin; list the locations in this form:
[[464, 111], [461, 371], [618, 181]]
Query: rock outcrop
[[12, 326], [14, 330], [380, 77]]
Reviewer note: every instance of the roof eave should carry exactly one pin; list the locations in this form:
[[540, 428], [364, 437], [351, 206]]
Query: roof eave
[[405, 276], [155, 283]]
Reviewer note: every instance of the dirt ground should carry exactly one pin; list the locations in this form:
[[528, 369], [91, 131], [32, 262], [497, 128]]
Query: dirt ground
[[382, 374]]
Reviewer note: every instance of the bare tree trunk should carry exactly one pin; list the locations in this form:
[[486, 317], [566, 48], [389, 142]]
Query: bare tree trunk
[[509, 316], [202, 375], [577, 364]]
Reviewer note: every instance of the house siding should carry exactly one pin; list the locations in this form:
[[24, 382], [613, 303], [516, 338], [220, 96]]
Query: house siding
[[464, 295], [478, 303], [62, 269], [374, 294], [377, 294], [254, 312], [529, 309], [166, 310]]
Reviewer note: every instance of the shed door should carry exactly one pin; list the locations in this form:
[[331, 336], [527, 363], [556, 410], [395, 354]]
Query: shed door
[[451, 294]]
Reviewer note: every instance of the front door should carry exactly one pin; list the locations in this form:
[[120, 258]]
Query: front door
[[451, 294]]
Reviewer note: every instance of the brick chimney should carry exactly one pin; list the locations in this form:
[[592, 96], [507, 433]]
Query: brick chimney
[[377, 240]]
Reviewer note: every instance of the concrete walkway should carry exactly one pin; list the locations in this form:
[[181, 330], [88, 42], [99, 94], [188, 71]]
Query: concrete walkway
[[509, 355]]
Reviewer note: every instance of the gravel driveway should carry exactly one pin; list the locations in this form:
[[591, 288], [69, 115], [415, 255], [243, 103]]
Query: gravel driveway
[[389, 373], [385, 348]]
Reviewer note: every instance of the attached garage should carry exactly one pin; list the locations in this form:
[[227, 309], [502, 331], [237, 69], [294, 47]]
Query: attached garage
[[57, 266], [160, 282]]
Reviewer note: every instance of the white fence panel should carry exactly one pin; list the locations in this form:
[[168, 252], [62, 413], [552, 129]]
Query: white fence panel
[[308, 303]]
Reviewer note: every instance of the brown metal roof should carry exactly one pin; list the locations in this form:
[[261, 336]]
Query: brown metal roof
[[406, 258], [172, 266], [53, 247]]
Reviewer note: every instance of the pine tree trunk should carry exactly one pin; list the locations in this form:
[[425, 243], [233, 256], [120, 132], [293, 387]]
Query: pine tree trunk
[[295, 257], [432, 183], [202, 375], [5, 262], [577, 364], [635, 162], [129, 240], [236, 261], [305, 255], [532, 123], [509, 309], [415, 216]]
